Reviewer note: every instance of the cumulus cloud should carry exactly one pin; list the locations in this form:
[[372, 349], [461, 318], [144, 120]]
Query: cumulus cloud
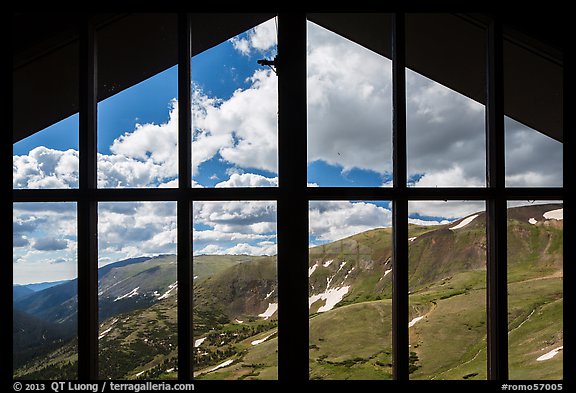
[[49, 244], [450, 210], [45, 168], [239, 249], [349, 103], [130, 229], [19, 241], [44, 238], [261, 39], [449, 177], [242, 129], [333, 220], [248, 180], [243, 227]]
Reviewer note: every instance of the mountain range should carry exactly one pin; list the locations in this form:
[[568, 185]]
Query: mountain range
[[350, 289]]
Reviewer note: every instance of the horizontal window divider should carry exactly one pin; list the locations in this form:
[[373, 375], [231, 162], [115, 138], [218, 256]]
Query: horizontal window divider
[[269, 193]]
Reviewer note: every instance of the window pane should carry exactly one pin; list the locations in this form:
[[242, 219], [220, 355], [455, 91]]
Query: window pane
[[44, 261], [533, 159], [444, 87], [533, 104], [349, 97], [235, 112], [447, 290], [350, 290], [138, 119], [49, 158], [137, 286], [44, 115], [235, 290], [535, 294]]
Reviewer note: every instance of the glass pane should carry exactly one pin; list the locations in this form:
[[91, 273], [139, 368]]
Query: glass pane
[[137, 286], [44, 122], [44, 261], [350, 290], [445, 128], [533, 159], [447, 290], [349, 98], [235, 290], [49, 158], [138, 119], [235, 111], [533, 105], [535, 294]]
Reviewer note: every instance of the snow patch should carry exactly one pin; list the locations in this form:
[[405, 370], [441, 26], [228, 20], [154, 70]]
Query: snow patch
[[464, 222], [411, 239], [226, 363], [332, 297], [238, 321], [413, 322], [312, 269], [133, 292], [199, 342], [386, 272], [532, 221], [328, 263], [104, 333], [347, 274], [268, 295], [170, 370], [195, 277], [140, 373], [171, 287], [557, 214], [272, 307], [256, 342], [550, 355]]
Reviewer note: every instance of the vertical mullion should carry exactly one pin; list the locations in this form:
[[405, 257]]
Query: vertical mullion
[[87, 214], [496, 219], [400, 339], [292, 203], [185, 269]]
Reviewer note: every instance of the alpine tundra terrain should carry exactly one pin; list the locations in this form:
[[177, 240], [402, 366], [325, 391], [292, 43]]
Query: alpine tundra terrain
[[350, 287]]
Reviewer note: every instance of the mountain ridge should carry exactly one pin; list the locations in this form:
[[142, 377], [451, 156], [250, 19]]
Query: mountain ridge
[[350, 284]]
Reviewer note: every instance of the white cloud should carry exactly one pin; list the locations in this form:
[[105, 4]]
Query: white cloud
[[45, 245], [418, 221], [243, 129], [248, 180], [261, 38], [243, 227], [450, 177], [450, 210], [130, 229], [45, 168], [330, 221], [256, 217], [239, 249], [349, 103]]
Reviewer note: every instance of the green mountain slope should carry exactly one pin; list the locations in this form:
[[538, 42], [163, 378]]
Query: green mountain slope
[[350, 285]]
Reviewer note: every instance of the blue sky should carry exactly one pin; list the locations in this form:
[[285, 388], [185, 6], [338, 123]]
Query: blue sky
[[235, 144]]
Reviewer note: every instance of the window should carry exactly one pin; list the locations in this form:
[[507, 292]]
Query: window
[[251, 201]]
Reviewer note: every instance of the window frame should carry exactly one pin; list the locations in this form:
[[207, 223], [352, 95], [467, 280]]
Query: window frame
[[293, 196]]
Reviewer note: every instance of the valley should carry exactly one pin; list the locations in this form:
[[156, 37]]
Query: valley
[[350, 324]]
